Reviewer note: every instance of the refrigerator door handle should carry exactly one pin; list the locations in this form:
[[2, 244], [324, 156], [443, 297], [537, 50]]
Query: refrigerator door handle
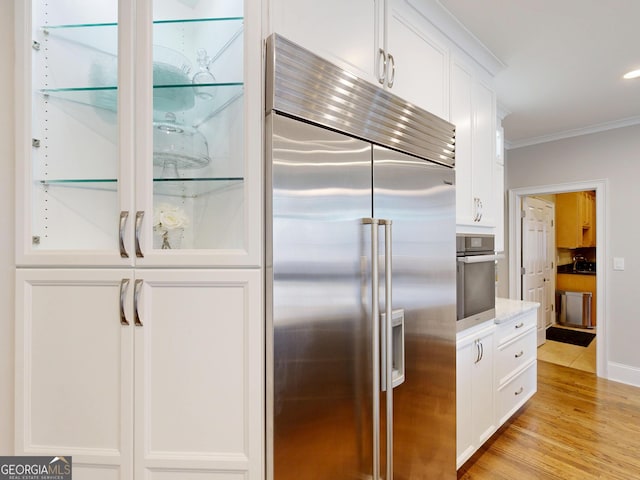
[[389, 343], [375, 344]]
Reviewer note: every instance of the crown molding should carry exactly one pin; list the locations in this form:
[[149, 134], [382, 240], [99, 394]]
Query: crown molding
[[577, 132]]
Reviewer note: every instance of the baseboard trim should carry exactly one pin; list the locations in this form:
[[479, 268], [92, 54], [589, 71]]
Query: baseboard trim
[[619, 372]]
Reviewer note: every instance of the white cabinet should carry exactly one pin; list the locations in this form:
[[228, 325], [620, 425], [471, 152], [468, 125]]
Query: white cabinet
[[475, 390], [516, 355], [473, 112], [500, 198], [138, 137], [150, 374], [345, 33], [139, 146], [420, 56], [496, 374], [386, 42]]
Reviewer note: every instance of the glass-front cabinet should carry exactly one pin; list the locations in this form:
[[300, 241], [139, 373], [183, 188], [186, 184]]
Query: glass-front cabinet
[[139, 137]]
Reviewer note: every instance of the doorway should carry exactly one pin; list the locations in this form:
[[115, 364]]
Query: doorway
[[517, 199]]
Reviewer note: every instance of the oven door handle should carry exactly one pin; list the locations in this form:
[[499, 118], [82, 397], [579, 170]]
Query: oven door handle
[[478, 259]]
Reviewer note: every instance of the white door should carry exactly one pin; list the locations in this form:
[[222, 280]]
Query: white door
[[74, 369], [198, 375], [535, 262]]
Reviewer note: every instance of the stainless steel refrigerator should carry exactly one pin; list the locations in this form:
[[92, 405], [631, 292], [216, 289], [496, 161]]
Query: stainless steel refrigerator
[[360, 209]]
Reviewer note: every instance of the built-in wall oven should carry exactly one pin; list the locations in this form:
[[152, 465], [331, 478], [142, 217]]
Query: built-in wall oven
[[476, 279]]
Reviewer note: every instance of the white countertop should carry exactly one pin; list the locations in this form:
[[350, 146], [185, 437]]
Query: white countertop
[[507, 308]]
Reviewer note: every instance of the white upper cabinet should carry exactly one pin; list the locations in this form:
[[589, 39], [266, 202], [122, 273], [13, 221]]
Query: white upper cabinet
[[419, 59], [498, 175], [473, 112], [138, 133], [344, 33], [386, 42]]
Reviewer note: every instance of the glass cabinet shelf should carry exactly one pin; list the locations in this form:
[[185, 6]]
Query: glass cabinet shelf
[[173, 187], [208, 99], [155, 22]]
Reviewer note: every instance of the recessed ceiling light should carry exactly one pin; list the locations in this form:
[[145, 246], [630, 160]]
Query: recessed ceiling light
[[632, 74]]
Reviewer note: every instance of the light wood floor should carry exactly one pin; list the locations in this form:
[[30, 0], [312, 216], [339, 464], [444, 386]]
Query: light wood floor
[[577, 426]]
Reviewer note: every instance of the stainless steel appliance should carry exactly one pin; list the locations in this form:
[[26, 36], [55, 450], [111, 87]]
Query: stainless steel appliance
[[574, 308], [476, 279], [360, 262]]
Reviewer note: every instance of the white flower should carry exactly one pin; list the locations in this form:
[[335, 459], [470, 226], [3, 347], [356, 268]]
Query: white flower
[[169, 217]]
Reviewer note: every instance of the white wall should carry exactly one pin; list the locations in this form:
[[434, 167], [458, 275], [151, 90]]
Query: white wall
[[613, 155], [6, 231]]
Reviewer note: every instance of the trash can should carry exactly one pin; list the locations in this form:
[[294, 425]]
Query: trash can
[[573, 309]]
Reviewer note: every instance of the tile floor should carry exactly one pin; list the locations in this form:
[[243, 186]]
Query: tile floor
[[574, 356]]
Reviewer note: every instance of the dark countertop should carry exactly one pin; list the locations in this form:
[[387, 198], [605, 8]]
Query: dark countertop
[[588, 268]]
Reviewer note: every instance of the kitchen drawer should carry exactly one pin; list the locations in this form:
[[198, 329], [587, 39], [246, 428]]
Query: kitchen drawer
[[516, 392], [516, 326], [512, 357]]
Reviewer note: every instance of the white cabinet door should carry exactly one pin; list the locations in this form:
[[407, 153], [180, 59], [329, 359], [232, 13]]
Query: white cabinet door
[[465, 357], [74, 367], [483, 403], [498, 179], [473, 114], [199, 375], [461, 117], [420, 57], [483, 151], [190, 342], [344, 33], [475, 392]]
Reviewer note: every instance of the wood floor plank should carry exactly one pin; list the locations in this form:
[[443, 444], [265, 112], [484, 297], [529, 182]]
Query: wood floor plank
[[577, 426]]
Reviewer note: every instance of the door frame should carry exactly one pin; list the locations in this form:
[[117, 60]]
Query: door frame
[[515, 252]]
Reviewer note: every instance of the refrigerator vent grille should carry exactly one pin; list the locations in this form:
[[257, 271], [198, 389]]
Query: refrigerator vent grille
[[305, 86]]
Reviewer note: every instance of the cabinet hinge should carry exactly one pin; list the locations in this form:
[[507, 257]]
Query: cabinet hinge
[[35, 142], [523, 271], [523, 214], [35, 45], [552, 223]]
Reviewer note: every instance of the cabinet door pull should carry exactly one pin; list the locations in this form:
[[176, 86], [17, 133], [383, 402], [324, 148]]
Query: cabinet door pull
[[481, 351], [519, 391], [476, 209], [124, 285], [518, 355], [136, 295], [382, 57], [139, 217], [520, 325], [124, 215], [477, 342], [392, 77]]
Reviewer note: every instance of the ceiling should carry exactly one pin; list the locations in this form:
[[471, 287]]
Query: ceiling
[[563, 63]]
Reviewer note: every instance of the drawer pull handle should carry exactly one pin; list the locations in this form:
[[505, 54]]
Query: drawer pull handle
[[518, 355], [519, 391], [520, 325]]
